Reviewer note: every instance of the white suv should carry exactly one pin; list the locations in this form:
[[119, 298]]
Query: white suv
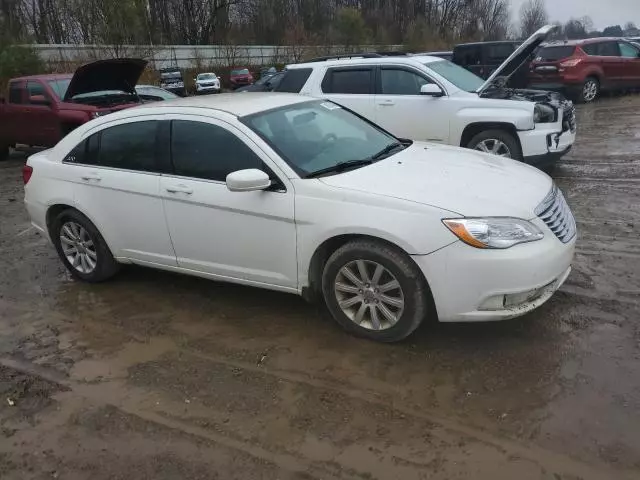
[[431, 99]]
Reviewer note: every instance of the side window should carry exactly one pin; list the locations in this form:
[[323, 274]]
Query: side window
[[401, 82], [78, 154], [202, 150], [499, 52], [35, 88], [352, 81], [15, 93], [591, 49], [468, 55], [627, 50], [131, 146], [294, 80], [608, 49]]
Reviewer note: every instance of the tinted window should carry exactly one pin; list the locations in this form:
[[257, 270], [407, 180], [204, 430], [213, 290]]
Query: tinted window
[[351, 81], [77, 155], [131, 146], [401, 82], [202, 150], [499, 52], [467, 55], [605, 49], [35, 88], [460, 77], [550, 54], [627, 50], [294, 80], [15, 93]]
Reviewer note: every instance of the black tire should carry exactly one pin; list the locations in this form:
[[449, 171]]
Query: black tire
[[583, 97], [106, 266], [4, 152], [417, 304], [501, 135]]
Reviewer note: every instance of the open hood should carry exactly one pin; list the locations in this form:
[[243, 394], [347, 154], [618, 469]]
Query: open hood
[[517, 58], [115, 74]]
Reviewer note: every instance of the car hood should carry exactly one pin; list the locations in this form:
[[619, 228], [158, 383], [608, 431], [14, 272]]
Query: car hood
[[114, 74], [517, 58], [464, 182]]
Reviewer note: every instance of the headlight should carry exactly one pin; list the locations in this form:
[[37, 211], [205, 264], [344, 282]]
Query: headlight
[[544, 113], [498, 232]]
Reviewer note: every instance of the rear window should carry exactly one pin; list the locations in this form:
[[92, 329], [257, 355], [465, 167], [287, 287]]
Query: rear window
[[550, 54], [15, 93], [355, 81], [294, 80], [604, 49]]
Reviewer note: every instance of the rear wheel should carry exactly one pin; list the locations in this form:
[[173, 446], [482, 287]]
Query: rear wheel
[[81, 247], [496, 142], [375, 291], [590, 90]]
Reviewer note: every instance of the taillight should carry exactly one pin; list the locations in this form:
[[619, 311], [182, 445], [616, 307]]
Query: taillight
[[570, 63], [27, 171]]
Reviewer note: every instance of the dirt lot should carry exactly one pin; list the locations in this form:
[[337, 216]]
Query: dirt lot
[[159, 376]]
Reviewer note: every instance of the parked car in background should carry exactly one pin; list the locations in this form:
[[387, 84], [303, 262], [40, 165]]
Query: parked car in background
[[151, 93], [171, 79], [239, 77], [39, 110], [207, 83], [302, 196], [431, 99], [585, 68], [265, 84], [268, 71], [483, 58], [445, 55]]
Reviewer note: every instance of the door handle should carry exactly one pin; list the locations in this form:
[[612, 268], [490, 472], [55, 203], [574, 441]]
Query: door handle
[[387, 103], [91, 176], [180, 189]]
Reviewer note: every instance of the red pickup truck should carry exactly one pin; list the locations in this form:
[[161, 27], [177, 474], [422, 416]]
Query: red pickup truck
[[40, 110]]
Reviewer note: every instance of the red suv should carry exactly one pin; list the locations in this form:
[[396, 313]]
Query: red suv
[[584, 68], [239, 77]]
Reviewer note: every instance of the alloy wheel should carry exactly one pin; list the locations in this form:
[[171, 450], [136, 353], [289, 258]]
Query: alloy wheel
[[78, 247], [369, 295], [590, 90], [495, 147]]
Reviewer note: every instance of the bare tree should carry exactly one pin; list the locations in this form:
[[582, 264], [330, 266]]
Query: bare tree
[[533, 15]]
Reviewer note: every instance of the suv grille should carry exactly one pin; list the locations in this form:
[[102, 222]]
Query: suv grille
[[555, 212], [569, 118]]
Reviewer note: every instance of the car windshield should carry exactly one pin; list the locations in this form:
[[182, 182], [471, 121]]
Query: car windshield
[[156, 92], [242, 71], [547, 54], [315, 136], [60, 86], [100, 93], [207, 76], [171, 76], [460, 77]]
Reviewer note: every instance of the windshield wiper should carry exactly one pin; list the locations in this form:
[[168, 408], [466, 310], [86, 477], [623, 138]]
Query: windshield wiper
[[340, 167], [386, 150]]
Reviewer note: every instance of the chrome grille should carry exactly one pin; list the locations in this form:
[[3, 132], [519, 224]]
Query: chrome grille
[[569, 118], [555, 212]]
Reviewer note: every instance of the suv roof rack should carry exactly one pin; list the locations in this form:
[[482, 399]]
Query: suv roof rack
[[347, 55]]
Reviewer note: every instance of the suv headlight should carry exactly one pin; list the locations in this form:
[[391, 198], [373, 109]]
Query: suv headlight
[[544, 113], [498, 232]]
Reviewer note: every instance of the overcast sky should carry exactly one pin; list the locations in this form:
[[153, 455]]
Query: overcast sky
[[603, 12]]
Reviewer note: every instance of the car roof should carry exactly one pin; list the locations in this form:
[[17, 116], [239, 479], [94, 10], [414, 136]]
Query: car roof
[[51, 76], [410, 60], [497, 42], [582, 41], [234, 104]]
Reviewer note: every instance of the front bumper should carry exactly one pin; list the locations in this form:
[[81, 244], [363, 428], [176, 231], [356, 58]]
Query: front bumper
[[546, 144], [468, 284], [208, 89]]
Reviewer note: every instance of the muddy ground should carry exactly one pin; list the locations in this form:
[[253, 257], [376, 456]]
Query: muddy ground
[[160, 376]]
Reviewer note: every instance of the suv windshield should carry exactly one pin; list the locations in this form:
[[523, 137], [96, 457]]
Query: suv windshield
[[207, 76], [316, 136], [60, 86], [550, 54], [460, 77], [243, 71]]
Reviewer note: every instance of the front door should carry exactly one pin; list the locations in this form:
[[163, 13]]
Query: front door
[[245, 236], [401, 109], [116, 175], [44, 121]]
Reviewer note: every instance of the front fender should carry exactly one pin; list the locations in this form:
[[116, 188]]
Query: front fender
[[520, 118]]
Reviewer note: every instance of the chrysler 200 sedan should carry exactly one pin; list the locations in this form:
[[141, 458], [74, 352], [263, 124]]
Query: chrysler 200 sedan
[[303, 196]]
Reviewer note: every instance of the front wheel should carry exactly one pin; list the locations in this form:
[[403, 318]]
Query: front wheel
[[81, 247], [375, 291], [590, 90], [496, 142]]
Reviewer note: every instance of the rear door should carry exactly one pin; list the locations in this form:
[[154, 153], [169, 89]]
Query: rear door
[[117, 182], [630, 64], [352, 87], [401, 109]]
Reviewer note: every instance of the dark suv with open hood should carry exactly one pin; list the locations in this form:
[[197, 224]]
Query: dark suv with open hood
[[39, 110]]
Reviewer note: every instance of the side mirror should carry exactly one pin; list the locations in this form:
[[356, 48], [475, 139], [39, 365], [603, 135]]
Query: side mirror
[[39, 100], [431, 90], [249, 180]]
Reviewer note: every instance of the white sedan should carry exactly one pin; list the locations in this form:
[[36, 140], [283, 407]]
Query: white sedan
[[298, 195]]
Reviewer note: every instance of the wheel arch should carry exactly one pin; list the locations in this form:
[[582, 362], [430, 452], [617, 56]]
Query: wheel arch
[[55, 209], [475, 128]]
